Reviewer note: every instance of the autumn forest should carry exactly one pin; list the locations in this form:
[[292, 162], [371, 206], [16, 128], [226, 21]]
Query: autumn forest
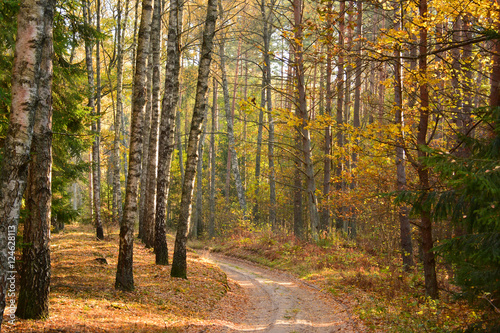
[[353, 144]]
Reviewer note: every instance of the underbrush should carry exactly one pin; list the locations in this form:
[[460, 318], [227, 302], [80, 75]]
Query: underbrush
[[383, 296]]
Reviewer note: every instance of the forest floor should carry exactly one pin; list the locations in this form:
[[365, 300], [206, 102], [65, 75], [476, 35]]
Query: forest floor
[[308, 288], [221, 294], [83, 297]]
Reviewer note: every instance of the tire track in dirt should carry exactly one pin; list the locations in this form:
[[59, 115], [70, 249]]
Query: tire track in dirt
[[280, 303]]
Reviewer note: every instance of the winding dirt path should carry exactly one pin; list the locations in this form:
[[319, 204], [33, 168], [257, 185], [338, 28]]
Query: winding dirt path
[[277, 302]]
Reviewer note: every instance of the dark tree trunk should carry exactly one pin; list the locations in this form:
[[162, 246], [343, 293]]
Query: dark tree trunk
[[35, 273], [340, 223], [179, 264], [429, 261], [124, 273], [167, 129], [303, 114]]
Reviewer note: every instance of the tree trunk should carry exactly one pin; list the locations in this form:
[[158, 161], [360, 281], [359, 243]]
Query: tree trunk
[[258, 154], [35, 272], [197, 225], [304, 116], [179, 265], [167, 129], [429, 261], [97, 140], [230, 129], [34, 18], [143, 227], [403, 213], [340, 113], [117, 194], [96, 197], [211, 222], [150, 200], [124, 273], [266, 35], [179, 140], [327, 161]]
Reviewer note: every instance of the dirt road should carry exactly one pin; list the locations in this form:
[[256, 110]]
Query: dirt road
[[277, 302]]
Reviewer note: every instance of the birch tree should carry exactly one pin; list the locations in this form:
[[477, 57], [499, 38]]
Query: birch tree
[[35, 272], [34, 18], [150, 200], [179, 264], [124, 273], [167, 128]]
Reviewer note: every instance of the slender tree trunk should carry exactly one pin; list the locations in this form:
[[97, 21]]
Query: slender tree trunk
[[304, 116], [97, 140], [327, 161], [266, 35], [179, 140], [258, 154], [179, 264], [429, 261], [340, 111], [167, 129], [150, 200], [124, 273], [117, 194], [34, 20], [197, 225], [298, 219], [403, 213], [230, 129], [211, 222], [143, 225], [35, 276]]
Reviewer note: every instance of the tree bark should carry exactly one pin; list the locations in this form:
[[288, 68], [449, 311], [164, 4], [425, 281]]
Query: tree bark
[[35, 272], [143, 227], [33, 20], [150, 200], [179, 264], [117, 194], [327, 150], [124, 273], [96, 194], [431, 287], [266, 35], [304, 116], [211, 221], [403, 212], [197, 225], [97, 140], [167, 129]]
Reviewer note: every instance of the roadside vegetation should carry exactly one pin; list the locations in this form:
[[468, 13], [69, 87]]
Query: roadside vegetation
[[371, 282]]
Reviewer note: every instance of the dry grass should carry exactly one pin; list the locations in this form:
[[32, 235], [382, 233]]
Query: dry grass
[[83, 298]]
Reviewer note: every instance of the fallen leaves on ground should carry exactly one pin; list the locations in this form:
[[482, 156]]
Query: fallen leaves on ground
[[83, 297]]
